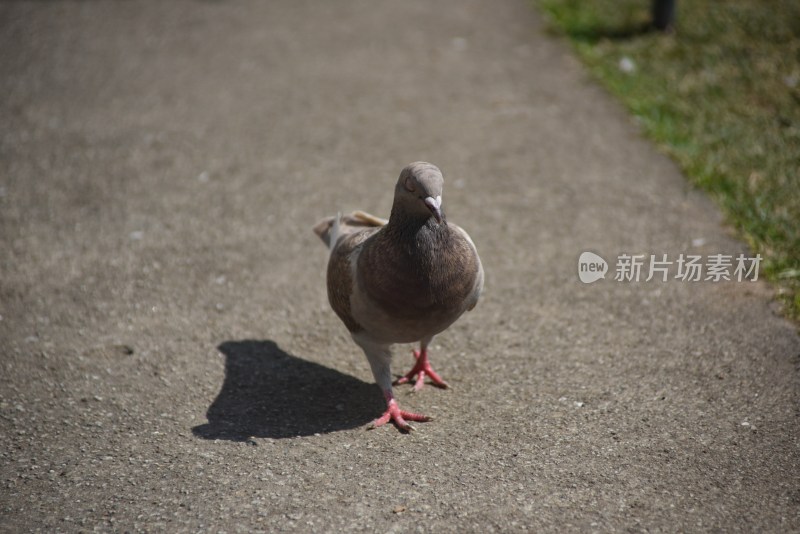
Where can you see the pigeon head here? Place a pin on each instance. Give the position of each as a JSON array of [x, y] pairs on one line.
[[419, 191]]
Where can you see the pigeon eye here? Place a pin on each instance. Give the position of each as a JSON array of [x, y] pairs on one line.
[[409, 185]]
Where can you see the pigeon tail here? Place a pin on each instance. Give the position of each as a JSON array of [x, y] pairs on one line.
[[330, 229], [335, 231]]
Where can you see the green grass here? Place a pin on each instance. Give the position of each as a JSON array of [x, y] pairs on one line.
[[721, 95]]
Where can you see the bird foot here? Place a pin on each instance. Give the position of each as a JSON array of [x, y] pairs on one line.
[[422, 369], [398, 416]]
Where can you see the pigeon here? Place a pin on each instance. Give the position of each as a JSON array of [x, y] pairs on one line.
[[404, 280]]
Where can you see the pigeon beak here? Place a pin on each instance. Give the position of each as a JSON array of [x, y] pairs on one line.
[[435, 205]]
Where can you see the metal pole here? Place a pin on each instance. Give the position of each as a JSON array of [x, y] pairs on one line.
[[664, 15]]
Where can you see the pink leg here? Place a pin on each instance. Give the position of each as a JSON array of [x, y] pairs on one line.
[[398, 416], [421, 369]]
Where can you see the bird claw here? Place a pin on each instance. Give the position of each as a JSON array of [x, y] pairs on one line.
[[398, 417], [422, 369]]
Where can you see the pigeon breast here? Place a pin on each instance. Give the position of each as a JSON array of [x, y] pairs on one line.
[[414, 283]]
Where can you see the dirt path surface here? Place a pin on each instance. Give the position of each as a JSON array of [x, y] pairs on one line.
[[169, 358]]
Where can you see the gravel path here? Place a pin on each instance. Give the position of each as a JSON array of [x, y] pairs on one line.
[[169, 359]]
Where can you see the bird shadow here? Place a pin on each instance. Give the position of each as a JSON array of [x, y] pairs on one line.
[[269, 393]]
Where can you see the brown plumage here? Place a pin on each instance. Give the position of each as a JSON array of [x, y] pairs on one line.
[[402, 280]]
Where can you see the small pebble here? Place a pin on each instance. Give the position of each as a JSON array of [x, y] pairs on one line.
[[627, 65]]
